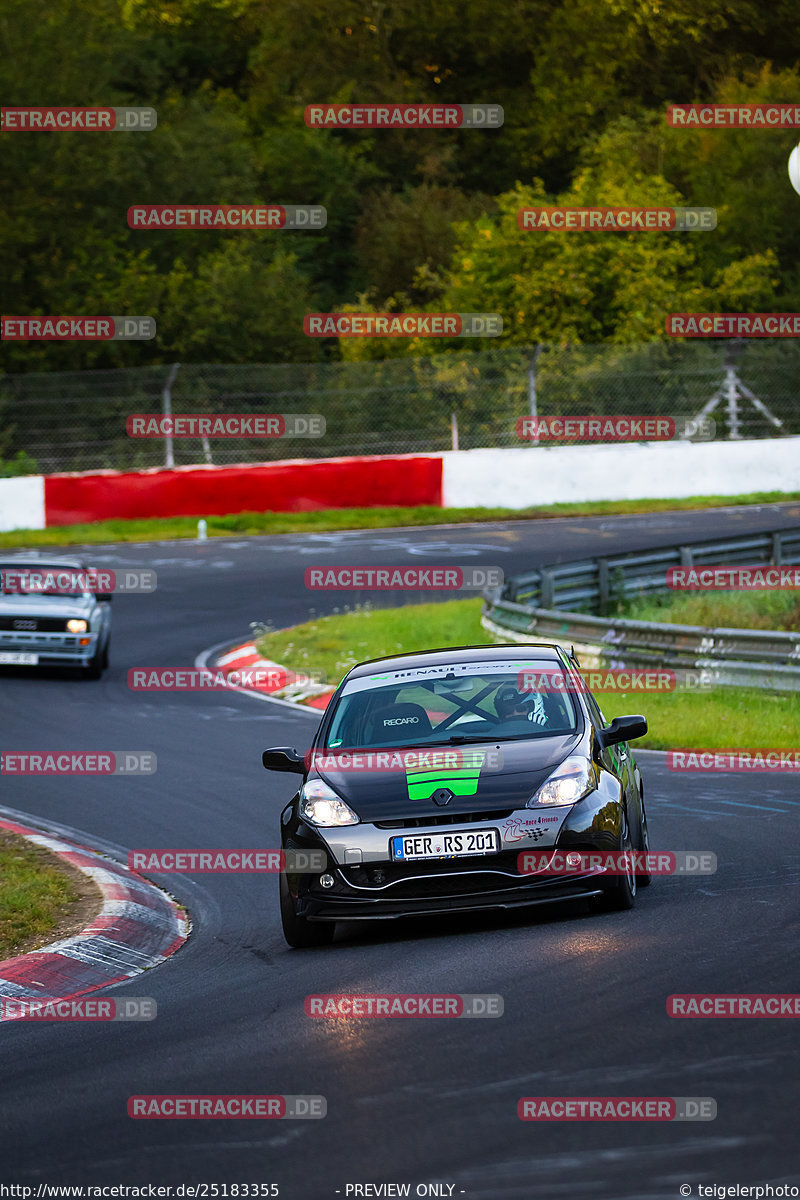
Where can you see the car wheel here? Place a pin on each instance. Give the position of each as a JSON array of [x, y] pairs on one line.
[[106, 653], [95, 667], [298, 931], [619, 892], [644, 878]]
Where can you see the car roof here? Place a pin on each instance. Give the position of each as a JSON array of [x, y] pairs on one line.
[[548, 651]]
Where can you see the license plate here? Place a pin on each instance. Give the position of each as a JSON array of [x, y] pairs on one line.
[[445, 845], [18, 659]]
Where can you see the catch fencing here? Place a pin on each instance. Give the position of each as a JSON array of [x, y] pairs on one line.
[[76, 420]]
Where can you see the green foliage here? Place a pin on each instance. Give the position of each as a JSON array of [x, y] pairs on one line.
[[416, 220], [20, 464]]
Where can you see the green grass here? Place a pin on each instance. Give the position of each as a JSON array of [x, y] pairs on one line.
[[33, 894], [726, 610], [245, 524], [718, 719], [334, 644]]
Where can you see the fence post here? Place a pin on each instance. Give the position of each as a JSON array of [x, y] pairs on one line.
[[454, 429], [602, 584], [546, 588], [166, 408], [532, 379], [532, 398]]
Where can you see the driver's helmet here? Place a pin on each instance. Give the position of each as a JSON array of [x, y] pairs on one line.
[[510, 701]]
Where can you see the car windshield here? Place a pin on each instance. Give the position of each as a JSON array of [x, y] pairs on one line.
[[430, 706], [34, 579]]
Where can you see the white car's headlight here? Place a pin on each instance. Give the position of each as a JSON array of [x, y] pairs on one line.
[[320, 805], [76, 626], [570, 781]]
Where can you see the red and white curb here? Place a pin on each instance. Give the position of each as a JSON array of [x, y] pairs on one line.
[[138, 927], [276, 680]]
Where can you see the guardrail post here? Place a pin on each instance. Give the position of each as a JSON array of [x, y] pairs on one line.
[[602, 585], [546, 588], [687, 556], [777, 549]]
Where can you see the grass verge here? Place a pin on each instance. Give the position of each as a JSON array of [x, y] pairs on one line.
[[723, 610], [40, 898], [719, 719], [247, 524]]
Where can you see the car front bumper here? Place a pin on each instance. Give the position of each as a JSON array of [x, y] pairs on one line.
[[51, 649], [378, 887]]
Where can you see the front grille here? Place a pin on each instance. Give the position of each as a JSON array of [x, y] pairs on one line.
[[445, 819], [34, 624], [430, 871]]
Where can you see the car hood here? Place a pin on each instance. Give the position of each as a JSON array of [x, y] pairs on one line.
[[16, 605], [479, 785]]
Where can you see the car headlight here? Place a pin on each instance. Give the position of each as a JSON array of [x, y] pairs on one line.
[[570, 781], [320, 805], [76, 626]]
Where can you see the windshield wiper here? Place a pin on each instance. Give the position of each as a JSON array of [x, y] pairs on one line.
[[466, 737]]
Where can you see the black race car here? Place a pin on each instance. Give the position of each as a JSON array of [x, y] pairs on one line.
[[446, 781]]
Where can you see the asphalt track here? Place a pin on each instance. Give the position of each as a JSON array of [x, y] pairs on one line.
[[408, 1100]]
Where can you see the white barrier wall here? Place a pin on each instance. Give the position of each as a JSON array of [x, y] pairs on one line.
[[517, 478], [22, 503]]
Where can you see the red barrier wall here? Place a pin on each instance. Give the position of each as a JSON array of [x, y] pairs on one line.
[[295, 485]]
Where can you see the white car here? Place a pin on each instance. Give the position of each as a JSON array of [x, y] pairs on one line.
[[49, 617]]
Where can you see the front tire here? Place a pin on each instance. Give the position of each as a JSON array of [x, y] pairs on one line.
[[619, 892], [644, 878], [299, 932], [96, 666]]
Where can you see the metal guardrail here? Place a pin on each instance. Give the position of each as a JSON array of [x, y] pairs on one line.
[[537, 604]]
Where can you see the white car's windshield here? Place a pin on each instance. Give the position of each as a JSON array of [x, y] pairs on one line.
[[28, 579]]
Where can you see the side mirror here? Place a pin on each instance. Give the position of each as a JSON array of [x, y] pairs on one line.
[[284, 758], [623, 729]]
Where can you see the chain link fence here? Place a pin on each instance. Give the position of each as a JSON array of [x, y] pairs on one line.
[[76, 420]]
